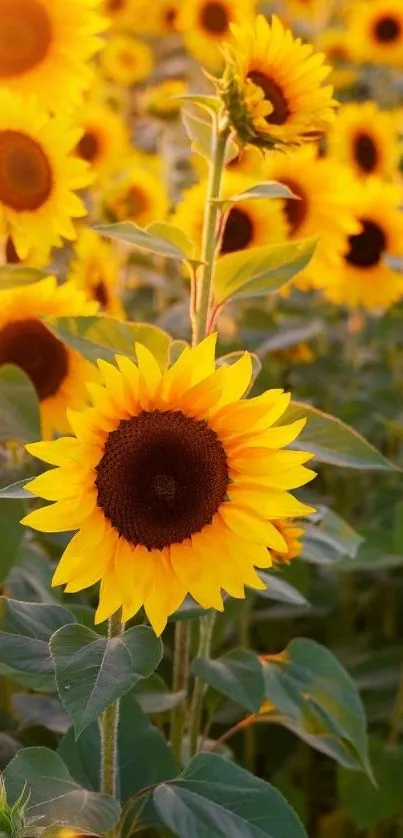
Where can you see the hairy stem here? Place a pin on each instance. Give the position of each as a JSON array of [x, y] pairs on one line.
[[206, 635], [109, 722]]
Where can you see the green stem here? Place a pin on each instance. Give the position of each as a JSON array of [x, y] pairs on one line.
[[109, 722], [220, 136], [180, 682], [397, 715], [206, 629]]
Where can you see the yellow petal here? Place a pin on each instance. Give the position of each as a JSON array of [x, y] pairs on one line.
[[131, 378], [61, 516], [229, 576], [110, 599], [273, 438], [203, 358], [236, 379], [56, 484], [113, 381], [150, 374], [202, 585], [59, 452], [245, 523]]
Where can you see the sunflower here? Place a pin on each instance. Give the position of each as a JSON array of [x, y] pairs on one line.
[[172, 481], [105, 141], [45, 47], [119, 13], [206, 24], [95, 270], [363, 275], [137, 196], [313, 11], [56, 371], [272, 86], [366, 138], [37, 175], [326, 193], [36, 257], [161, 100], [335, 43], [249, 223], [292, 532], [126, 60], [376, 30], [162, 23]]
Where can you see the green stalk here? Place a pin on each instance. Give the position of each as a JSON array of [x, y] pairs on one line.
[[206, 628], [200, 309], [109, 722]]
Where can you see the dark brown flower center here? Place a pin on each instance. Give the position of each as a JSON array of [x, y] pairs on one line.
[[115, 5], [25, 36], [31, 346], [296, 210], [100, 293], [89, 147], [162, 478], [273, 94], [25, 174], [387, 29], [367, 247], [365, 153], [238, 232], [214, 18], [170, 16], [12, 257]]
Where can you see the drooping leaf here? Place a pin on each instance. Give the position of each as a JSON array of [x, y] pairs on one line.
[[259, 271], [280, 590], [154, 696], [367, 805], [11, 533], [31, 575], [104, 337], [25, 631], [334, 442], [262, 191], [310, 693], [12, 276], [237, 674], [213, 798], [329, 538], [92, 671], [160, 244], [199, 129], [208, 103], [55, 795], [19, 406], [173, 234], [42, 710]]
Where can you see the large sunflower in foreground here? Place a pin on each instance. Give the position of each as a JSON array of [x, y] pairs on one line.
[[272, 86], [105, 141], [250, 223], [45, 47], [327, 196], [95, 270], [206, 24], [376, 30], [37, 175], [173, 481], [363, 276], [138, 195], [365, 137], [56, 371]]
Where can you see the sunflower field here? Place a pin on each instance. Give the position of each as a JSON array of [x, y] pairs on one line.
[[201, 418]]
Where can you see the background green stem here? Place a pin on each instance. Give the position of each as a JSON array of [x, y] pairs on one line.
[[109, 722], [180, 682], [206, 627]]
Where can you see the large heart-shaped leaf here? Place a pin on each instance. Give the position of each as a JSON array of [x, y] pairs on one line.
[[213, 798], [237, 674], [104, 337], [310, 692], [259, 271], [334, 442], [54, 794], [92, 671], [19, 406]]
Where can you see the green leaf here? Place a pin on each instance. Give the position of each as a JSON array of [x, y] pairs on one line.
[[55, 795], [262, 191], [174, 235], [16, 490], [12, 276], [207, 103], [154, 696], [329, 538], [144, 757], [286, 338], [334, 442], [199, 130], [40, 710], [19, 406], [367, 805], [213, 798], [11, 533], [160, 244], [25, 630], [310, 693], [280, 590], [92, 671], [104, 337], [237, 674], [259, 271]]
